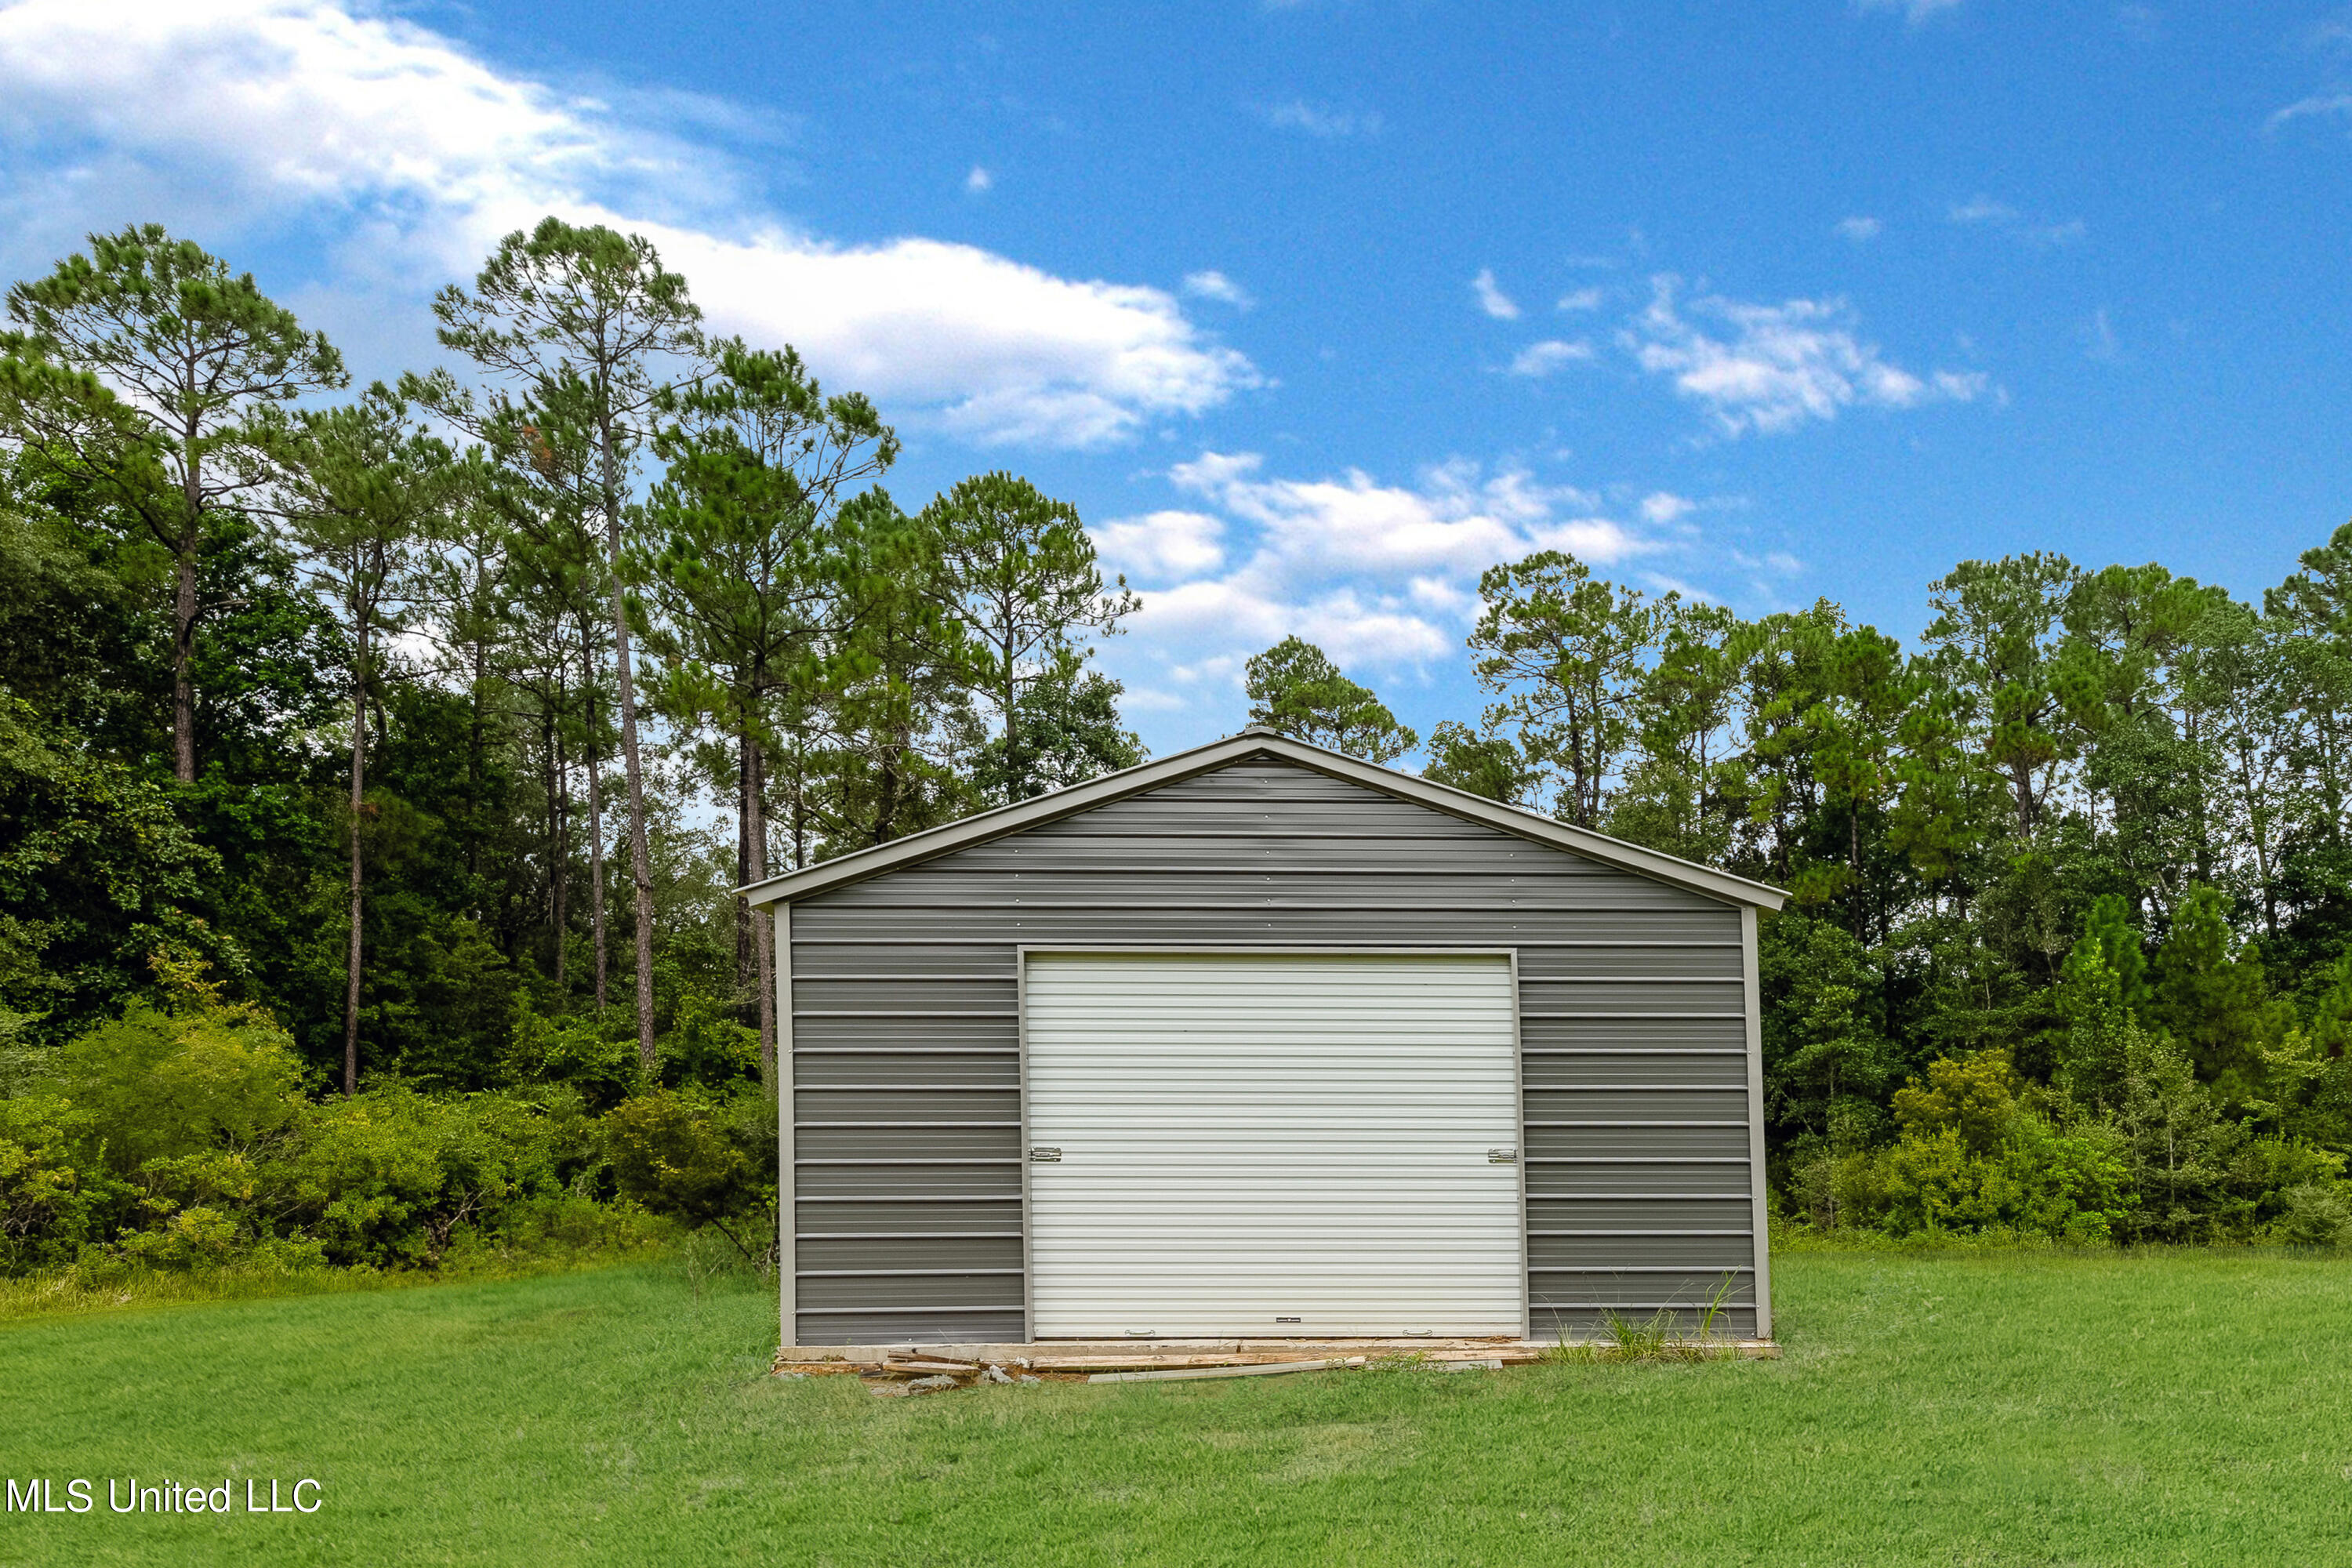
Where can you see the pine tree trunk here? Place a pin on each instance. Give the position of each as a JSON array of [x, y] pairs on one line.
[[640, 860], [1016, 774], [358, 797], [561, 870], [474, 768], [746, 963], [184, 609], [596, 852], [886, 802], [763, 950], [184, 655]]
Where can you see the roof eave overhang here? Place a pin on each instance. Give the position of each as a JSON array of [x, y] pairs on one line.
[[916, 847]]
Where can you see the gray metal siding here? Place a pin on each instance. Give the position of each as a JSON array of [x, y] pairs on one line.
[[905, 1037]]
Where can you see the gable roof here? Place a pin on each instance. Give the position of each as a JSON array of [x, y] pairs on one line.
[[916, 848]]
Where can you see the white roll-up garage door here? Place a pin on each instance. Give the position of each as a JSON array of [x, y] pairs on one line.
[[1271, 1145]]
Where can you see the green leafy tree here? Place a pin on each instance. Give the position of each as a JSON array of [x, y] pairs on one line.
[[1566, 653], [97, 874], [1827, 1056], [589, 322], [366, 493], [1070, 731], [1023, 580], [138, 369], [1295, 687], [2312, 610], [896, 718], [2236, 691], [1856, 721], [2149, 756], [2213, 999], [673, 1154], [1998, 623], [748, 571], [1674, 797], [1487, 765]]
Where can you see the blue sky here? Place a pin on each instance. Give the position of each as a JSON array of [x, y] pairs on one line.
[[1315, 308]]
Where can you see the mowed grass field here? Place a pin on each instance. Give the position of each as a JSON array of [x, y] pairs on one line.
[[1956, 1408]]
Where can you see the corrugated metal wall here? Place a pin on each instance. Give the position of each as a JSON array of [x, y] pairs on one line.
[[906, 1043]]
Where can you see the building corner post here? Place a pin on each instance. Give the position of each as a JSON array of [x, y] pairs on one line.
[[1752, 991], [787, 1186]]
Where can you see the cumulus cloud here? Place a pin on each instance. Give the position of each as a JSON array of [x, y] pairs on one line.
[[1163, 545], [1540, 360], [1381, 575], [1581, 299], [1491, 298], [1665, 507], [1216, 285], [1859, 229], [980, 182], [410, 156], [1774, 367]]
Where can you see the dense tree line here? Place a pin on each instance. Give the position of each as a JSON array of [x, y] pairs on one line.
[[376, 771], [2069, 947], [363, 750]]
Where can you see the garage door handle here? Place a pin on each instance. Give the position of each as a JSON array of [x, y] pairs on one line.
[[1041, 1156], [1502, 1156]]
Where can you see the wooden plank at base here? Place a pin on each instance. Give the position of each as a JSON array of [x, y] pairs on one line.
[[1263, 1369]]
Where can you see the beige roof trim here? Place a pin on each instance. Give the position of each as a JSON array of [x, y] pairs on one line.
[[1006, 819]]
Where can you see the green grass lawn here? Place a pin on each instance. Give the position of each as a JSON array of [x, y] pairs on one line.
[[1990, 1408]]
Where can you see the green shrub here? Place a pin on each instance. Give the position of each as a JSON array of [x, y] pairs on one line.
[[2314, 1214], [685, 1157], [592, 1054], [2037, 1181], [705, 1046], [388, 1177], [50, 1201], [160, 1086]]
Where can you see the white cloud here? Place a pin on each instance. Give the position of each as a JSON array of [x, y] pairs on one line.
[[2320, 106], [1540, 360], [1382, 575], [1004, 350], [410, 156], [1162, 544], [1985, 210], [1914, 11], [980, 182], [1663, 507], [1237, 613], [1324, 123], [1215, 285], [1776, 366], [1859, 229], [2099, 337], [1491, 298], [1581, 299]]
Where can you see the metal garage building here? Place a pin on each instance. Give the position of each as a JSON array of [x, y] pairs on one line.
[[1262, 1041]]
